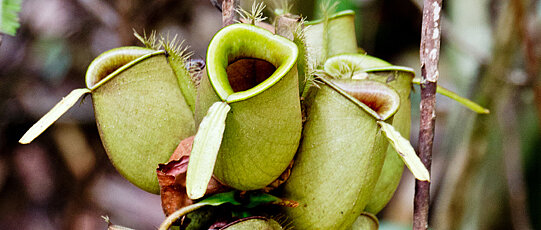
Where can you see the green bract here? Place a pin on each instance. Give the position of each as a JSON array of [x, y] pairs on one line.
[[341, 153], [140, 111], [254, 72]]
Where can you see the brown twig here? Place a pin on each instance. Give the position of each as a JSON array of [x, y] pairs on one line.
[[429, 52], [229, 15], [463, 45]]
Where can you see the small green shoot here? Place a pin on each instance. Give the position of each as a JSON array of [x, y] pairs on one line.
[[464, 101]]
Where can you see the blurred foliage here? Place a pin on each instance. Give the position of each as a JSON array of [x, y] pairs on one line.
[[64, 181], [9, 19]]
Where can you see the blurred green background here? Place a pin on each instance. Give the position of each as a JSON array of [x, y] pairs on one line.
[[484, 171]]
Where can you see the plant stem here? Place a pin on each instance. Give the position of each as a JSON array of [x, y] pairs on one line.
[[229, 15], [178, 214], [459, 43], [429, 53]]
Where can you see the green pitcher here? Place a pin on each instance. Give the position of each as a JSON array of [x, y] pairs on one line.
[[330, 36], [341, 153], [141, 112], [253, 72], [361, 66]]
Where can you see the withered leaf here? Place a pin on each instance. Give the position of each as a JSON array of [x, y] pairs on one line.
[[172, 179]]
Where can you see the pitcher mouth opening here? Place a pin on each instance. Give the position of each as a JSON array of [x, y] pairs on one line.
[[246, 73], [374, 97], [106, 65], [236, 49]]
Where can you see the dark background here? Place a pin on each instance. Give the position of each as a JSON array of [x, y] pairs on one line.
[[485, 173]]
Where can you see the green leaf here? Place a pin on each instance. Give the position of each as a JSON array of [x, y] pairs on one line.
[[464, 101], [53, 115], [406, 152], [256, 199], [221, 198], [9, 19], [249, 199], [206, 144], [253, 199]]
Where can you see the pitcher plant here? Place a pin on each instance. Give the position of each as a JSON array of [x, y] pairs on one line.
[[141, 112], [253, 73]]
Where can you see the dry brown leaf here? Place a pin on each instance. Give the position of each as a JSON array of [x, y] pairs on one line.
[[172, 179]]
